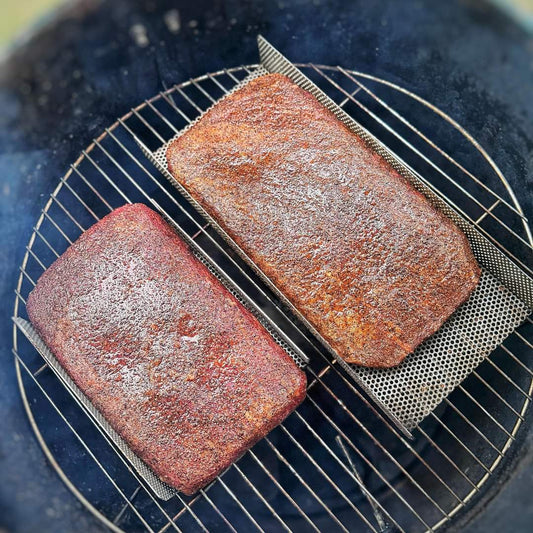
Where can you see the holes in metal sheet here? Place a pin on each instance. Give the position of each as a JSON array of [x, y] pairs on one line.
[[418, 385]]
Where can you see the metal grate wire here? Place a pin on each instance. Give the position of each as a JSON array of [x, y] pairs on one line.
[[337, 463]]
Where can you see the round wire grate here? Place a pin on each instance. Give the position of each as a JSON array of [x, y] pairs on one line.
[[336, 463]]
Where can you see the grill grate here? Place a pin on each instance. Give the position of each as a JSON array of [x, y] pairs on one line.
[[336, 464]]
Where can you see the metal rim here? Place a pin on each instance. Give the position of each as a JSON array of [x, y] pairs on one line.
[[393, 86]]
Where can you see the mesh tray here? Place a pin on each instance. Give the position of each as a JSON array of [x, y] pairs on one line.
[[500, 303], [160, 489]]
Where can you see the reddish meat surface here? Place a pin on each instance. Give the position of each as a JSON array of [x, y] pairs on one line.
[[365, 258], [180, 369]]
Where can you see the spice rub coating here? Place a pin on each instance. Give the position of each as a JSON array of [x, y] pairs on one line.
[[180, 369], [368, 260]]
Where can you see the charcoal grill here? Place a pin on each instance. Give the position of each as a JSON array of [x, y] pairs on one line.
[[337, 463]]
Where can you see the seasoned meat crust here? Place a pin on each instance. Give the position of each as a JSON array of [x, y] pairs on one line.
[[366, 259], [182, 371]]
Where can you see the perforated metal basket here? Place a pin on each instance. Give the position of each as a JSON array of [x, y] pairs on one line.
[[501, 302], [161, 489]]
